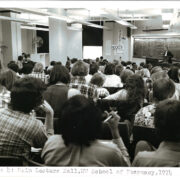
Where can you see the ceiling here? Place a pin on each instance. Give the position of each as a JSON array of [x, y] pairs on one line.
[[126, 17]]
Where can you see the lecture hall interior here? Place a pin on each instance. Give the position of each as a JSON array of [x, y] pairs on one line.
[[90, 84]]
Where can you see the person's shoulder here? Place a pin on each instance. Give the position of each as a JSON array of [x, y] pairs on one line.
[[106, 145]]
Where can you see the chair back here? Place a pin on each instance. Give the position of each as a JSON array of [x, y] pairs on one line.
[[11, 161], [123, 130], [147, 134]]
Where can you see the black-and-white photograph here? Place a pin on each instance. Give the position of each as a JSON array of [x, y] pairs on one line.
[[90, 85]]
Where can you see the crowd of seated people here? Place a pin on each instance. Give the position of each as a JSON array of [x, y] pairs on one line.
[[62, 110]]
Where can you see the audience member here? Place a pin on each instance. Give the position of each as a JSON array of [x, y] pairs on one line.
[[78, 81], [78, 145], [166, 120], [19, 128], [112, 80], [58, 92], [98, 80], [38, 72], [162, 89], [7, 79]]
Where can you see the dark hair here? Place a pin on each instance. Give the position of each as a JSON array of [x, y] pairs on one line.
[[59, 73], [13, 66], [163, 89], [109, 69], [52, 63], [123, 63], [93, 68], [81, 121], [135, 87], [20, 58], [79, 69], [7, 78], [26, 94], [166, 120], [173, 74], [97, 79], [27, 68]]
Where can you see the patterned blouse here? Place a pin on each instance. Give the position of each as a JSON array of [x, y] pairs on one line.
[[145, 116]]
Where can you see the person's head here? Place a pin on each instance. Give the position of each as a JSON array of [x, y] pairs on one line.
[[166, 48], [7, 78], [38, 67], [166, 120], [135, 87], [142, 64], [79, 69], [74, 60], [20, 58], [93, 68], [159, 75], [109, 69], [134, 66], [26, 94], [125, 74], [98, 79], [118, 69], [52, 63], [81, 121], [27, 68], [59, 73], [123, 63], [163, 89], [156, 69], [13, 66], [174, 74], [145, 73]]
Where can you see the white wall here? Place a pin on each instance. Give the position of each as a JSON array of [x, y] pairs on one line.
[[111, 37], [74, 45]]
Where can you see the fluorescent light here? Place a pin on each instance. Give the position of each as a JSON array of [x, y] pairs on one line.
[[124, 23], [33, 28]]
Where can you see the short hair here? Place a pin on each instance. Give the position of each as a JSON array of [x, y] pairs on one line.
[[109, 69], [13, 66], [52, 63], [59, 73], [145, 72], [125, 74], [38, 67], [97, 79], [79, 69], [27, 68], [159, 75], [20, 58], [174, 74], [166, 120], [163, 89], [80, 121], [93, 68], [26, 94], [123, 63], [7, 78], [118, 69], [156, 69]]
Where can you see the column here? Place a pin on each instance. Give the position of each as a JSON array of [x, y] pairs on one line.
[[11, 36], [58, 40]]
